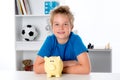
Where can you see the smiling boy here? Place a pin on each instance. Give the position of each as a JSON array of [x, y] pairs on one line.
[[64, 43]]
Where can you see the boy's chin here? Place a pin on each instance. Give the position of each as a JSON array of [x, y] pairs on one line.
[[62, 37]]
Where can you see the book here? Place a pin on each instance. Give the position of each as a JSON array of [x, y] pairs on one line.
[[16, 9], [19, 7], [23, 7], [27, 6]]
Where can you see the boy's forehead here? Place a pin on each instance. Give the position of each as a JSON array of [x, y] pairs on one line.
[[60, 17], [58, 14]]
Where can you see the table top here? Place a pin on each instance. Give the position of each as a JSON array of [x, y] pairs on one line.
[[26, 75]]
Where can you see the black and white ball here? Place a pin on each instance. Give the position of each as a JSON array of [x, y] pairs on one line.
[[29, 33]]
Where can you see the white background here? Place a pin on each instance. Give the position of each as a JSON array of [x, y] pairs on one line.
[[7, 35], [97, 21]]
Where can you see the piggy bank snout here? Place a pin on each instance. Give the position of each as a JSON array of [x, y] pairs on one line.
[[52, 67]]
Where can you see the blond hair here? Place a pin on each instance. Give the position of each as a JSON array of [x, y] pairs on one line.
[[65, 10]]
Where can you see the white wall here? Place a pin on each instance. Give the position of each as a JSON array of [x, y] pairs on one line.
[[98, 22], [7, 40]]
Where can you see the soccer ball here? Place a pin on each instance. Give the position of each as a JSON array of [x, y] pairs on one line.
[[29, 33]]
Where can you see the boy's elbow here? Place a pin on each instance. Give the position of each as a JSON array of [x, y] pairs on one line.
[[35, 70], [87, 71], [38, 69]]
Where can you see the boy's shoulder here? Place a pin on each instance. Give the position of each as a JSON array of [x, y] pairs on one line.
[[74, 36], [51, 37]]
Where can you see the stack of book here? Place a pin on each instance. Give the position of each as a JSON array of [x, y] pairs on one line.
[[22, 7]]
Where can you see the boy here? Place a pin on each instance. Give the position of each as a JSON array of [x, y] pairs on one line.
[[64, 43]]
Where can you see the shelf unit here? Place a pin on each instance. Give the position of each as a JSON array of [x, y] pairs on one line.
[[28, 49], [101, 60]]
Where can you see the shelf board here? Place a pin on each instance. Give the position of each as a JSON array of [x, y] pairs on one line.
[[99, 49], [35, 45], [32, 15], [28, 46]]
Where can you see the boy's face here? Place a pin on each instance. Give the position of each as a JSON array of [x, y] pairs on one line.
[[61, 26]]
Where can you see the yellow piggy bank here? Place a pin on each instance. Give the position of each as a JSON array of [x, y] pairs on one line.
[[53, 66]]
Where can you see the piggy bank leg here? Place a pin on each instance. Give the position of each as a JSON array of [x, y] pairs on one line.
[[57, 75], [49, 75]]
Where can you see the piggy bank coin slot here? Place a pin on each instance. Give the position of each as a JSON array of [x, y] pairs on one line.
[[51, 60]]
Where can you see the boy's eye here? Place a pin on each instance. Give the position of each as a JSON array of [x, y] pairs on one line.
[[56, 24], [65, 24]]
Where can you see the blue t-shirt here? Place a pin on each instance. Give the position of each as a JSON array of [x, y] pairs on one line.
[[68, 51]]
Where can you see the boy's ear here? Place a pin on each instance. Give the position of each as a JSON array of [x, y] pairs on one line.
[[72, 27]]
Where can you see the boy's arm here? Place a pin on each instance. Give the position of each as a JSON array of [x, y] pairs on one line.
[[39, 65], [69, 63], [80, 67]]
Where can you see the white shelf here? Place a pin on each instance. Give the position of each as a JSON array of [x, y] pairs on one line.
[[28, 46], [32, 15], [99, 49], [37, 18]]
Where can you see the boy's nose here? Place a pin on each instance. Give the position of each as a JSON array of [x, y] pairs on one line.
[[61, 27]]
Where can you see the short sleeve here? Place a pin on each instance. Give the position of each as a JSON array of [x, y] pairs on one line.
[[46, 47], [79, 46]]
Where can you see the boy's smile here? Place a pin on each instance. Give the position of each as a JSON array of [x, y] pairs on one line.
[[61, 27], [61, 32]]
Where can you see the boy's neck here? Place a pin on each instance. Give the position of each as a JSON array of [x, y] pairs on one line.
[[62, 41]]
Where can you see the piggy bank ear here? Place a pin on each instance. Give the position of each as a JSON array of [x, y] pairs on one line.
[[58, 58], [45, 58]]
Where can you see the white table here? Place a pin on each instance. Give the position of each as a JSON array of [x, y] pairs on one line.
[[22, 75]]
